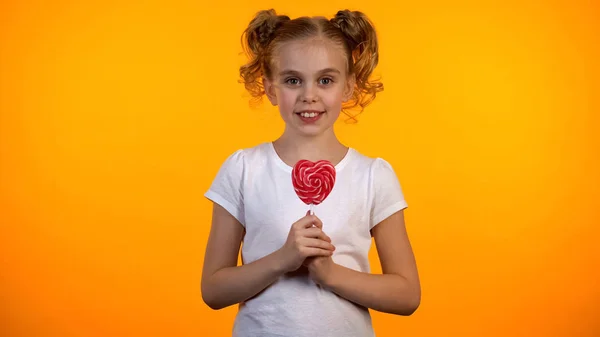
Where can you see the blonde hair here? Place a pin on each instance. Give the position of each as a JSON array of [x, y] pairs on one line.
[[352, 30]]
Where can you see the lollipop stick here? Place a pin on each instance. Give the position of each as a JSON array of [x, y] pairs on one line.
[[312, 209]]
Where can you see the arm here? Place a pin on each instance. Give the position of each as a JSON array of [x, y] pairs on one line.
[[396, 291], [223, 282]]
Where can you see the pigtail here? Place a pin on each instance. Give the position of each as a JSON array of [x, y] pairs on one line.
[[361, 38], [255, 42]]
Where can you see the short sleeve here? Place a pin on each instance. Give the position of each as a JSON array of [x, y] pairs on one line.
[[227, 187], [387, 196]]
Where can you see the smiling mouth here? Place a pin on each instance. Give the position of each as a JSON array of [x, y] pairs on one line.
[[310, 116], [309, 113]]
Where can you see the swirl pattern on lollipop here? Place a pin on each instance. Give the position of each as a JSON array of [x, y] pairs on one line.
[[313, 181]]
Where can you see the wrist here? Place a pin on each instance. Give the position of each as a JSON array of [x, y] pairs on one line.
[[329, 279], [278, 263], [327, 275]]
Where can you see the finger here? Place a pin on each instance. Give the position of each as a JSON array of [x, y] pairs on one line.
[[318, 252], [308, 221], [307, 261], [314, 232], [317, 222], [316, 243], [313, 220]]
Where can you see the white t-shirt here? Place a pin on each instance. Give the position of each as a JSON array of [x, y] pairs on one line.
[[255, 186]]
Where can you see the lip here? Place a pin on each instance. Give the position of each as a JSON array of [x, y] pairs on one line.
[[309, 111], [310, 120]]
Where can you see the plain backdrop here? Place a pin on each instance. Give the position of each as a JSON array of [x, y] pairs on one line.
[[116, 115]]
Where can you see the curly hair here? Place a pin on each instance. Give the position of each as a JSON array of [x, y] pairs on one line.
[[352, 30]]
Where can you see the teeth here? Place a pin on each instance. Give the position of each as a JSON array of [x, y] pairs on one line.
[[308, 114]]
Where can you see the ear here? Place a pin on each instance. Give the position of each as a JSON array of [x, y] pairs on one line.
[[270, 91], [349, 88]]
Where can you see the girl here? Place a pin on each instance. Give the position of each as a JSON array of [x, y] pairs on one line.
[[308, 275]]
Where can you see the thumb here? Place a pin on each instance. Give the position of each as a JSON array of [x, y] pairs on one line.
[[307, 261], [307, 214]]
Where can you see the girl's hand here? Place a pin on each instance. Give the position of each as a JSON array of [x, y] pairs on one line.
[[319, 268], [305, 240]]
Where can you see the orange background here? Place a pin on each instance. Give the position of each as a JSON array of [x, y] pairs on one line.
[[115, 116]]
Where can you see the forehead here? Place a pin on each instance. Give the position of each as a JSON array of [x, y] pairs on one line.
[[309, 56]]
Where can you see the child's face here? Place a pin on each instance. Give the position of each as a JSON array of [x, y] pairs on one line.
[[309, 84]]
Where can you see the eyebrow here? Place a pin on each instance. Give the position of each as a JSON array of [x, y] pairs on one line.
[[322, 71]]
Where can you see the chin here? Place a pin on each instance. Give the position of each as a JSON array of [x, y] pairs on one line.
[[310, 133], [311, 129]]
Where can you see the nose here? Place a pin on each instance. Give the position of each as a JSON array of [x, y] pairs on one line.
[[310, 95]]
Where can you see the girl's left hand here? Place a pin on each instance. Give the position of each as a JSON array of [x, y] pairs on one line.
[[319, 268]]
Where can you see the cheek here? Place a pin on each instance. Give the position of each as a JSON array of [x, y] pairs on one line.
[[334, 98], [287, 98]]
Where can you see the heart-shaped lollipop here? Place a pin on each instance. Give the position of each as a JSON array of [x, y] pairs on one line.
[[313, 181]]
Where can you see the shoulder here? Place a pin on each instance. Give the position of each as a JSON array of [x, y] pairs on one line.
[[376, 166], [228, 187], [381, 175], [385, 193]]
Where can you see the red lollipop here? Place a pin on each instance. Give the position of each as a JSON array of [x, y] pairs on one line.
[[313, 181]]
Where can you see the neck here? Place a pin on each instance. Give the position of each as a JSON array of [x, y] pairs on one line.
[[292, 147]]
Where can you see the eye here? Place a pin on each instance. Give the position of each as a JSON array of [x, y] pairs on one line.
[[292, 81], [325, 81]]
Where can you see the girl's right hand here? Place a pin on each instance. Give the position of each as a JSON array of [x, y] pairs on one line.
[[305, 240]]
